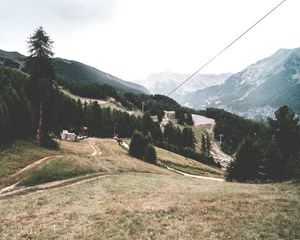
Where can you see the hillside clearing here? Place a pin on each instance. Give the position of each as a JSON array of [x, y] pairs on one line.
[[111, 103]]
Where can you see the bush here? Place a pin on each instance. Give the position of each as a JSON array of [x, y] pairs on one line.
[[150, 154], [189, 152], [137, 145]]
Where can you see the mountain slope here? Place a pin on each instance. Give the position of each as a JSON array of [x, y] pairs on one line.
[[269, 83], [83, 73], [164, 82], [75, 71]]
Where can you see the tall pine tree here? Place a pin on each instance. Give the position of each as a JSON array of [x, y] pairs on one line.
[[39, 64]]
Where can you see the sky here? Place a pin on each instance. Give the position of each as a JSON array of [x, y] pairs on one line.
[[132, 39]]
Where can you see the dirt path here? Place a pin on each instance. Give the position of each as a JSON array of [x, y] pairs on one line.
[[195, 176], [40, 162], [45, 186], [35, 164], [97, 151]]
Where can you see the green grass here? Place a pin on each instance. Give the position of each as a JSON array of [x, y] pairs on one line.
[[57, 169], [19, 154]]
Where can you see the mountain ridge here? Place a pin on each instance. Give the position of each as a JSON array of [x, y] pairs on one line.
[[270, 82], [74, 70]]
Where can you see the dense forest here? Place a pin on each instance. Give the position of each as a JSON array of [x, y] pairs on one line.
[[154, 104]]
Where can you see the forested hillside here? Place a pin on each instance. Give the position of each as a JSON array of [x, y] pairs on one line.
[[74, 71]]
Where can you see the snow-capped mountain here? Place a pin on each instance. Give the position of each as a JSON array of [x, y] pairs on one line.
[[163, 83], [265, 85]]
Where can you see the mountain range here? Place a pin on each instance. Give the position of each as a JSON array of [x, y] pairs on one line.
[[164, 82], [75, 71], [258, 89]]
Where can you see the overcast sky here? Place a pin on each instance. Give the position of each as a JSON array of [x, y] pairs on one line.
[[134, 38]]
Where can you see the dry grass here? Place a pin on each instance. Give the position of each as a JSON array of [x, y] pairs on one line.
[[187, 165], [143, 201], [115, 159], [111, 159], [154, 206]]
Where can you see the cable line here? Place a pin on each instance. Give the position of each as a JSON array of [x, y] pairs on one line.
[[228, 46]]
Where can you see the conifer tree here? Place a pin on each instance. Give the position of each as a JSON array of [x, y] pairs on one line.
[[137, 145], [39, 64], [150, 154]]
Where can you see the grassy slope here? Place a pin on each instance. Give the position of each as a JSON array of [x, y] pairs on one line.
[[142, 201], [154, 206], [75, 161], [17, 155]]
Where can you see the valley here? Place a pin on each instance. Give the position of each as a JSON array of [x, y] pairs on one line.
[[87, 155]]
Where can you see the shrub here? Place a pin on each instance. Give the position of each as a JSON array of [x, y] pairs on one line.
[[137, 145], [150, 154]]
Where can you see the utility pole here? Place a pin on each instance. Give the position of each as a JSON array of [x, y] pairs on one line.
[[221, 136], [143, 106]]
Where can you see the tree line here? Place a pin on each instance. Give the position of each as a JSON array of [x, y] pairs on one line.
[[271, 156]]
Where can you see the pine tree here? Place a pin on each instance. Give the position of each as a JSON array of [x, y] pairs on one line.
[[273, 163], [208, 144], [188, 138], [41, 69], [203, 144], [286, 129], [150, 154], [246, 165], [137, 145]]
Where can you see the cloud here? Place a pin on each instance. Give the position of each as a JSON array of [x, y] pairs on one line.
[[55, 11]]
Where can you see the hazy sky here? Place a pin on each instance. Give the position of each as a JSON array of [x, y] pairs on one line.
[[134, 38]]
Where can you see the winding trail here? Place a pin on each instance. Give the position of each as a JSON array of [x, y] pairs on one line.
[[36, 164], [195, 176], [14, 187], [55, 184]]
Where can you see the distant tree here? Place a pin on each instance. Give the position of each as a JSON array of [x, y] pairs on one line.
[[157, 133], [189, 152], [148, 138], [95, 119], [41, 69], [137, 145], [206, 144], [203, 144], [147, 123], [150, 154], [188, 138]]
